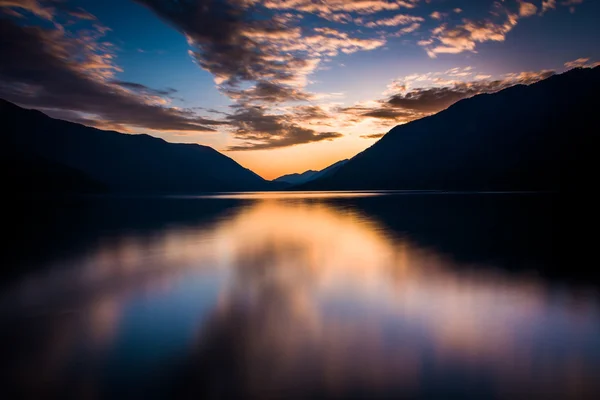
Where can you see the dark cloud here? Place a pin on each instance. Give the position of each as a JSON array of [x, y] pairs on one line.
[[138, 87], [241, 41], [260, 130], [227, 41], [427, 100], [373, 136], [387, 114], [309, 113], [382, 113], [48, 68], [267, 92]]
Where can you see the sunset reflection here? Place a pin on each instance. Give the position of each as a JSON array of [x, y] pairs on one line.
[[303, 296]]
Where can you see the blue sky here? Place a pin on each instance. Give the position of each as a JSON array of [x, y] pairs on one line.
[[280, 86]]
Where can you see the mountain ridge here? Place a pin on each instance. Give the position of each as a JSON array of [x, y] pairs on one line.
[[534, 137], [120, 162], [309, 175]]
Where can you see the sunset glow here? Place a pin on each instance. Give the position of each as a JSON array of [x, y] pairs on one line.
[[280, 86]]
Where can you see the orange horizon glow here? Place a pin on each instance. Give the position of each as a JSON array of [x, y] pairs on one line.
[[273, 163]]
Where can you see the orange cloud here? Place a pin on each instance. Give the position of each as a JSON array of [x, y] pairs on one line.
[[581, 63], [466, 36], [437, 15], [527, 9], [333, 6], [400, 19]]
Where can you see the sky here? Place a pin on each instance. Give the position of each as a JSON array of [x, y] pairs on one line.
[[280, 86]]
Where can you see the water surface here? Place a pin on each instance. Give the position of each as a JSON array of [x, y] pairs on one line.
[[302, 295]]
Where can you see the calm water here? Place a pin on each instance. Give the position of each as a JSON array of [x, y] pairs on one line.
[[296, 295]]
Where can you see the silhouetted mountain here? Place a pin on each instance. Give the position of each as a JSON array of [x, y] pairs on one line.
[[43, 154], [310, 175], [536, 137], [25, 173], [295, 179]]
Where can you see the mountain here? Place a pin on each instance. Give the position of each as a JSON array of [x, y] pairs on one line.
[[310, 175], [296, 179], [27, 173], [536, 137], [39, 153]]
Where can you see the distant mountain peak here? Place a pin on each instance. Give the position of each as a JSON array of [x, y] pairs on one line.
[[307, 176]]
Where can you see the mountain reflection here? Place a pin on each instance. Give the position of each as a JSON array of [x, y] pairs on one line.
[[294, 297]]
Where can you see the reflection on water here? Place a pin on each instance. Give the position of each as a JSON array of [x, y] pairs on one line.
[[298, 296], [290, 195]]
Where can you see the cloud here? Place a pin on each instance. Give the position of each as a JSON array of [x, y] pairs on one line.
[[437, 15], [324, 8], [551, 5], [260, 130], [466, 36], [82, 14], [73, 74], [373, 136], [260, 57], [74, 71], [581, 63], [255, 61], [399, 19], [571, 4], [427, 100], [79, 118], [409, 29], [236, 44], [45, 9], [310, 113], [330, 43], [268, 92], [527, 9], [408, 101], [434, 99], [548, 5], [32, 6], [138, 87], [231, 45], [380, 113]]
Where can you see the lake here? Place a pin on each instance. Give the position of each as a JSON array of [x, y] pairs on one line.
[[297, 295]]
